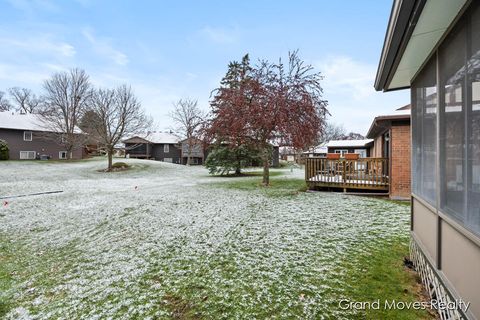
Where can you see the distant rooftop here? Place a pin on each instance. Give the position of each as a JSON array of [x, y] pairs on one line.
[[348, 143], [21, 121], [157, 137]]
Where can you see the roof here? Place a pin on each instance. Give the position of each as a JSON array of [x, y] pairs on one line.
[[348, 143], [414, 29], [22, 121], [157, 138], [318, 149], [382, 121]]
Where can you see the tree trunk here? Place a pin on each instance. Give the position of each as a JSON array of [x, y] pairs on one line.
[[238, 169], [110, 159], [189, 146], [266, 168]]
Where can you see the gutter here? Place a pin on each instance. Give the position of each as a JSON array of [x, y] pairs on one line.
[[403, 19]]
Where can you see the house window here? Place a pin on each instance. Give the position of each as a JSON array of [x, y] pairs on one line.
[[166, 148], [27, 155], [62, 155], [342, 152], [362, 153], [27, 136]]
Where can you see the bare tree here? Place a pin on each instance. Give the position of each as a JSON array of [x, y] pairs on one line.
[[66, 99], [188, 119], [25, 100], [338, 132], [4, 103], [118, 114], [332, 132]]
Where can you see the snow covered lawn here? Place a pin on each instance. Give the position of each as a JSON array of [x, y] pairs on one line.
[[164, 240]]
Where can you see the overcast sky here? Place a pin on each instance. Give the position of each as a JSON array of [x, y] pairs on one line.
[[172, 49]]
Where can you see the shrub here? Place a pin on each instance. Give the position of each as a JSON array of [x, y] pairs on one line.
[[222, 159], [3, 150], [120, 165]]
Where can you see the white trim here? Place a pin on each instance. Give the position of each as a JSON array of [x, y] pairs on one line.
[[31, 136], [166, 148], [60, 155], [28, 155]]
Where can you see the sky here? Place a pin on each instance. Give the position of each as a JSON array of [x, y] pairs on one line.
[[168, 50]]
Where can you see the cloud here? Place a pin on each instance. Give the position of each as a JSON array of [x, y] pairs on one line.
[[221, 35], [353, 101], [345, 75], [17, 75], [102, 46], [38, 44], [27, 60]]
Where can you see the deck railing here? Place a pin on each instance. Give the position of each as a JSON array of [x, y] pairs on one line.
[[364, 173]]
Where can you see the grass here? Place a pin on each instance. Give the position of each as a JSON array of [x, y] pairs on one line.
[[279, 186], [375, 273], [379, 273], [266, 252]]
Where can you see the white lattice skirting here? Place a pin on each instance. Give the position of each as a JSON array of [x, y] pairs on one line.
[[435, 288]]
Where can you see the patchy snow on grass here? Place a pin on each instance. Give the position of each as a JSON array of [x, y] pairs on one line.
[[161, 240]]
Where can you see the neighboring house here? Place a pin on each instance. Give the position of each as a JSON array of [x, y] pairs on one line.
[[391, 140], [318, 151], [28, 139], [433, 48], [197, 155], [160, 146], [289, 154], [362, 147]]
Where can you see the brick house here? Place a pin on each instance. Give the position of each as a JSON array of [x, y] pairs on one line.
[[28, 139], [392, 140]]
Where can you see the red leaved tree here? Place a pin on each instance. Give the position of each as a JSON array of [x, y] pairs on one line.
[[269, 103]]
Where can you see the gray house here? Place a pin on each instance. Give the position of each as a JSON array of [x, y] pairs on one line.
[[160, 146], [197, 154], [432, 47], [28, 139]]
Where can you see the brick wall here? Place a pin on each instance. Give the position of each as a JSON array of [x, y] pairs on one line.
[[400, 162]]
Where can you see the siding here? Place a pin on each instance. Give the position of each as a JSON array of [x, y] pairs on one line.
[[40, 144], [175, 153]]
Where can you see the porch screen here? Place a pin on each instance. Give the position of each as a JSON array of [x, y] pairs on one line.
[[457, 140], [473, 121], [452, 122], [424, 127]]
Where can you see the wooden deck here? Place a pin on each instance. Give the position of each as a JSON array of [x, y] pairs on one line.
[[364, 173]]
